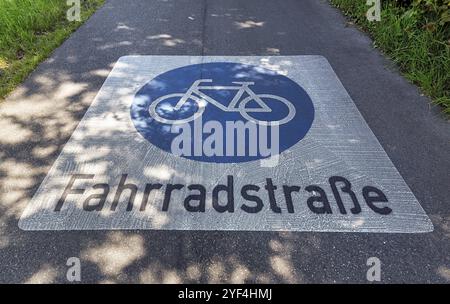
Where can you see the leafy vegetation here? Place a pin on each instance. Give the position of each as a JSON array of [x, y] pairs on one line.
[[416, 35], [29, 31]]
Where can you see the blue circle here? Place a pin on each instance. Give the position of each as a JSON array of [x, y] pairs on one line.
[[166, 90]]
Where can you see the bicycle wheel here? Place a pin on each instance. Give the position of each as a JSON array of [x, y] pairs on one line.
[[169, 110], [245, 113]]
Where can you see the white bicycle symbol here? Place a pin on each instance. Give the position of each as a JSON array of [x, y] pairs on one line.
[[201, 99]]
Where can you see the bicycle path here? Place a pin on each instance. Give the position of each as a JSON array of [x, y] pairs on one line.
[[40, 116]]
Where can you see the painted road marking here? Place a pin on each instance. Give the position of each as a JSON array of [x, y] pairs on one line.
[[119, 169]]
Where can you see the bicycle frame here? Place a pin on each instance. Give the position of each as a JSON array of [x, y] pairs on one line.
[[232, 107]]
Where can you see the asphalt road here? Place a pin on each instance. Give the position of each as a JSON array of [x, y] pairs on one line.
[[39, 117]]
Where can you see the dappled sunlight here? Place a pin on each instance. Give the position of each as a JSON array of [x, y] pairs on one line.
[[194, 272], [265, 63], [273, 51], [155, 275], [122, 26], [281, 259], [94, 158], [67, 90], [20, 180], [216, 272], [443, 222], [248, 24], [161, 172], [116, 253], [11, 133], [444, 272], [37, 120], [101, 72], [282, 266], [167, 40], [231, 266], [45, 275], [171, 277], [235, 270], [239, 273], [115, 45], [43, 152]]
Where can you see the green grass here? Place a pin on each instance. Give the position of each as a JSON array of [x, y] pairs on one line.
[[29, 31], [423, 55]]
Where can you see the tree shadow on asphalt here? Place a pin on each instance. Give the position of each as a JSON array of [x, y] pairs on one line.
[[39, 117]]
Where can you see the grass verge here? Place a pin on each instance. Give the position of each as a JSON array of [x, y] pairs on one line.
[[417, 43], [29, 31]]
